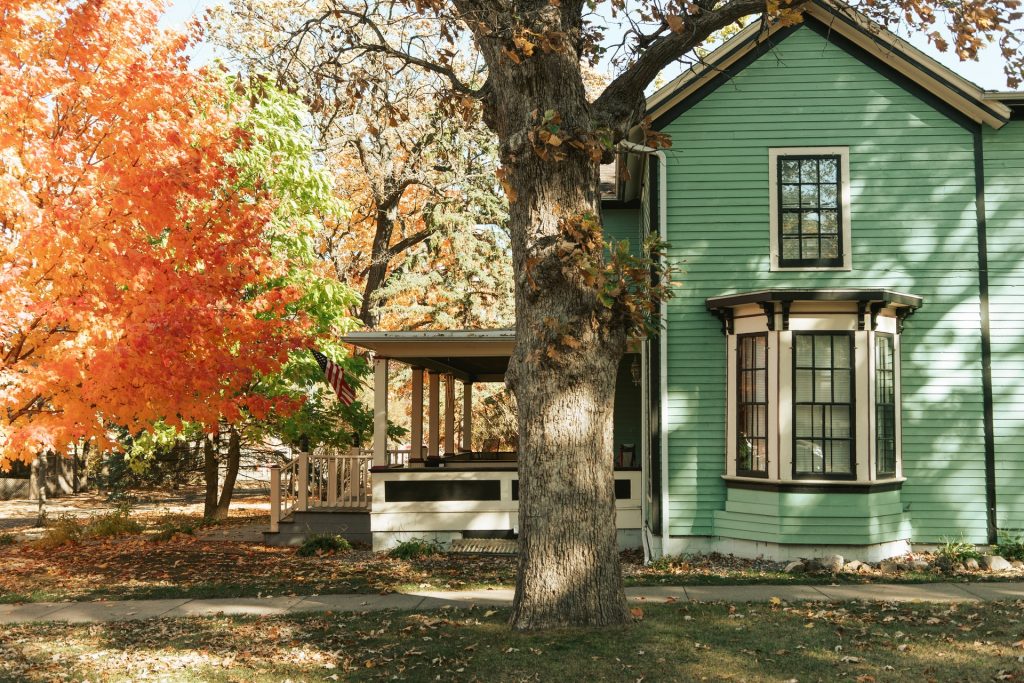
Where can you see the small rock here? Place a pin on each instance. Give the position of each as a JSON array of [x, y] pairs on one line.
[[795, 567], [1017, 564], [994, 563], [971, 564], [813, 565], [865, 568], [853, 566], [832, 563], [920, 565], [889, 566]]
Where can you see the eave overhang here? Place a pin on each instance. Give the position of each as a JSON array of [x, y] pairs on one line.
[[939, 81], [469, 355], [790, 295]]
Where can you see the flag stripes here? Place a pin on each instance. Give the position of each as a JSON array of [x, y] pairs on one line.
[[335, 376]]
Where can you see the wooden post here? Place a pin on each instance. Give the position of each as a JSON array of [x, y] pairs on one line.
[[332, 481], [416, 433], [449, 414], [380, 412], [434, 412], [303, 481], [467, 416], [275, 498]]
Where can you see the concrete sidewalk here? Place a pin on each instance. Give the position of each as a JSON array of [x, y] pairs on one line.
[[86, 612]]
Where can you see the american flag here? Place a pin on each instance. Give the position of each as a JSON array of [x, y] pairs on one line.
[[335, 377]]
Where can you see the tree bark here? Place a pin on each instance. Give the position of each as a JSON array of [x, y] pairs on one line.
[[380, 258], [568, 346], [231, 475], [211, 468]]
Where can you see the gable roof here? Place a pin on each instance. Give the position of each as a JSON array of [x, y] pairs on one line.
[[837, 20]]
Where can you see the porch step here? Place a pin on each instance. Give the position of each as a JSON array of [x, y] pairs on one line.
[[484, 546], [297, 527]]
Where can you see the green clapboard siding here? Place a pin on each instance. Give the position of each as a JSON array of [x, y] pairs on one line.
[[914, 230], [1004, 204], [623, 224]]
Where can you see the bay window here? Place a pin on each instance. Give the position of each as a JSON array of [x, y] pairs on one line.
[[813, 385]]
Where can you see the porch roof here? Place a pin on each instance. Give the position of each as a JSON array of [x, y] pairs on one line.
[[470, 355]]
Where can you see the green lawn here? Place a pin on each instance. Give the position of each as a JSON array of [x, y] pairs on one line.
[[807, 642]]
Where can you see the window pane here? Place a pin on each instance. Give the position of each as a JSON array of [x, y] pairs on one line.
[[809, 196], [829, 170], [790, 171], [809, 248], [790, 196], [804, 386], [790, 223], [839, 461], [809, 171], [804, 344], [830, 221], [791, 249], [809, 222], [829, 248], [829, 195]]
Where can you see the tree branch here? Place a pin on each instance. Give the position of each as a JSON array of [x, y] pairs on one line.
[[622, 101]]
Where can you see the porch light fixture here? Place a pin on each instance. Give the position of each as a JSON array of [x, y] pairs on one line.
[[634, 371]]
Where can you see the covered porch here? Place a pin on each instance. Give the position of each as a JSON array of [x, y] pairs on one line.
[[444, 483]]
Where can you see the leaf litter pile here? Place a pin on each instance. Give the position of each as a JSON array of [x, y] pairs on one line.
[[772, 641]]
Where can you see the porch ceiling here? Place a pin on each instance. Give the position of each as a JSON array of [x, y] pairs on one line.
[[470, 355]]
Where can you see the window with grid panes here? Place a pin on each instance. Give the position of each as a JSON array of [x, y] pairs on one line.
[[885, 406], [810, 211], [752, 405], [823, 414]]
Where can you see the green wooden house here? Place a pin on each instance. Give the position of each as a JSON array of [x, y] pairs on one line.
[[841, 364]]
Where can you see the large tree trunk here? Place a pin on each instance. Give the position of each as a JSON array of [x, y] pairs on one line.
[[231, 475], [380, 257], [567, 351]]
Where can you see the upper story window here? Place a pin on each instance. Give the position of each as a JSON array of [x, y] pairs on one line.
[[810, 217]]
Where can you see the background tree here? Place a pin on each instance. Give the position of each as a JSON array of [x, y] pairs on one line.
[[157, 242], [575, 306], [419, 181]]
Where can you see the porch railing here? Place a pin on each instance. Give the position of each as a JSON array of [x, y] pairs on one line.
[[324, 479]]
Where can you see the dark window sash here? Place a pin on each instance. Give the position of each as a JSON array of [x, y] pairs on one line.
[[885, 405], [751, 415], [781, 211], [827, 407]]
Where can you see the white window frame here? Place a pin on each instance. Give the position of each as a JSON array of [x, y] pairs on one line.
[[773, 203], [813, 316]]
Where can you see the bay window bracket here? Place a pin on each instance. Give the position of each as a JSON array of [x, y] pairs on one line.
[[862, 310], [901, 317], [785, 314], [769, 313], [726, 316], [876, 308]]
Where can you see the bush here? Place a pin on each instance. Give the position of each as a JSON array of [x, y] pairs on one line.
[[323, 544], [170, 525], [114, 523], [954, 552], [1010, 546], [64, 529], [415, 549], [8, 539]]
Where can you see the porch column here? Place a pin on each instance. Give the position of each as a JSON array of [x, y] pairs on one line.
[[449, 414], [434, 412], [416, 431], [380, 412], [467, 416]]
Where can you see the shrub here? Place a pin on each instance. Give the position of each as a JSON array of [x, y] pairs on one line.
[[170, 525], [323, 544], [1010, 546], [415, 548], [952, 551], [8, 539], [113, 523], [64, 529]]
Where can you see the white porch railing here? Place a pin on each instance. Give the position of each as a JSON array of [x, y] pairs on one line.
[[324, 479]]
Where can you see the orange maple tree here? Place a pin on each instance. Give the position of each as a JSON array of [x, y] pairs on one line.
[[134, 267]]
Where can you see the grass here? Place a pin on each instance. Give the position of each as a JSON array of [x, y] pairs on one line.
[[691, 642]]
